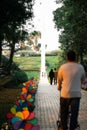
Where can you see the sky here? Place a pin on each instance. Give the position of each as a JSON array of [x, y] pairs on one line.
[[43, 22]]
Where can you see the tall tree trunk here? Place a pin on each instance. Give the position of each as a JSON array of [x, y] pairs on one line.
[[11, 57], [0, 53], [12, 50]]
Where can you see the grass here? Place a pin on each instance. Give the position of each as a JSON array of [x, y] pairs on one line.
[[51, 61], [34, 63], [28, 62], [31, 65], [33, 74]]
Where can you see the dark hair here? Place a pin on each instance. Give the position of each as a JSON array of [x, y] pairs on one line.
[[71, 56]]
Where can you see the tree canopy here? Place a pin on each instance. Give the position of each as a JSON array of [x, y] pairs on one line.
[[71, 20], [13, 14]]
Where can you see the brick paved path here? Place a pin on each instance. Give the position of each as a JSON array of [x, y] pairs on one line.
[[47, 106]]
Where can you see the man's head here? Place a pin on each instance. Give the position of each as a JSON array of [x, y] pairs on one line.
[[71, 56]]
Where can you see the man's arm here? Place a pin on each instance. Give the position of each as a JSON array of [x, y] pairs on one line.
[[59, 79], [59, 85]]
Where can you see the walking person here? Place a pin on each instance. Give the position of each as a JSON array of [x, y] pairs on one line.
[[55, 76], [51, 76], [70, 77]]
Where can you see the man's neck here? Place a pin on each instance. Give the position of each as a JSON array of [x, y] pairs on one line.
[[71, 61]]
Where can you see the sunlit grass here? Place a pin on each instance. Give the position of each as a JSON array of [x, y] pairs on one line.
[[26, 63]]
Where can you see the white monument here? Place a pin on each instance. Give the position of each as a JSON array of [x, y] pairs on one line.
[[42, 23], [43, 73]]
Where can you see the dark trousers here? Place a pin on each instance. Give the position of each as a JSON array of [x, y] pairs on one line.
[[55, 80], [51, 80], [71, 104]]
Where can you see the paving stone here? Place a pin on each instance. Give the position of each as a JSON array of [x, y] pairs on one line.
[[47, 107]]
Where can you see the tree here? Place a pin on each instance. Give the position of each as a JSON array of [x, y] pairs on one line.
[[13, 14], [33, 38], [71, 19]]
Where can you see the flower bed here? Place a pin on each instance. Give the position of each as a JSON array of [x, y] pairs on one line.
[[22, 115]]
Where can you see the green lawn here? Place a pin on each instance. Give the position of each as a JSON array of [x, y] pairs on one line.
[[28, 62], [33, 64], [51, 61]]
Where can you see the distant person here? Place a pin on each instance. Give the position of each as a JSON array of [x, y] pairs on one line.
[[51, 76], [70, 77], [55, 76], [42, 74]]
